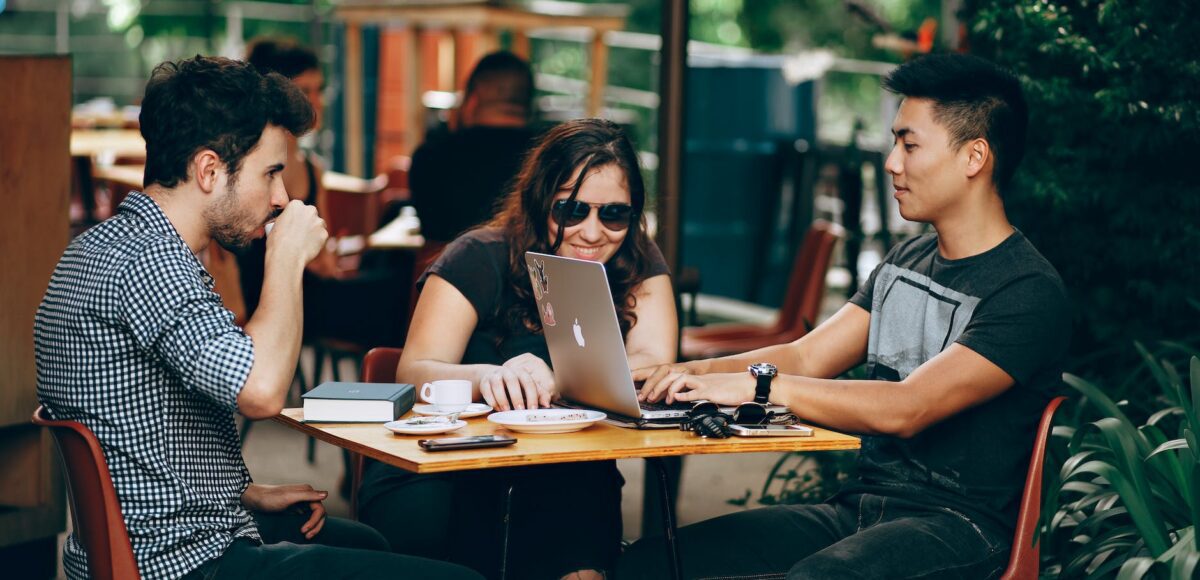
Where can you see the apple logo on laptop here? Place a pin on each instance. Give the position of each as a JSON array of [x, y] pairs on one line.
[[578, 333]]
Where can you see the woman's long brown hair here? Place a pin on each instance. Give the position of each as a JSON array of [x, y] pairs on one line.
[[590, 144]]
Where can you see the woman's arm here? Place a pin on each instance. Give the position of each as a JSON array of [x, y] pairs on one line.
[[652, 341], [441, 326], [437, 337]]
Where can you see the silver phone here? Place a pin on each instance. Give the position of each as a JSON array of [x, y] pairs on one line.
[[771, 430]]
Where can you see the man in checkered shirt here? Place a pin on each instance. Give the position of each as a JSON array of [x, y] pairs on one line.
[[132, 342]]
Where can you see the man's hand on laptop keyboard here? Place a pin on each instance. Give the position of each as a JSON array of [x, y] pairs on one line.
[[657, 380], [720, 388], [523, 382]]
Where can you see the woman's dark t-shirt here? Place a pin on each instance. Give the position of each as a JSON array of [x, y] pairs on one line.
[[477, 265]]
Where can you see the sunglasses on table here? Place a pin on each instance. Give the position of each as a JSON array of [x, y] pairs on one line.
[[748, 413], [572, 212]]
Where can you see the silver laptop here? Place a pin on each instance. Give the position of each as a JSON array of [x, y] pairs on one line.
[[587, 350]]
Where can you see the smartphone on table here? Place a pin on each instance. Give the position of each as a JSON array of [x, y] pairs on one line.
[[771, 430], [475, 442]]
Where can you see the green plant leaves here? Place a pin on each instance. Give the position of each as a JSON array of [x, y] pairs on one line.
[[1128, 495]]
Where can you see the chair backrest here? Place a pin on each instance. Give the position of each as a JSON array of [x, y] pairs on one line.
[[426, 256], [806, 284], [378, 366], [351, 204], [95, 511], [1024, 559]]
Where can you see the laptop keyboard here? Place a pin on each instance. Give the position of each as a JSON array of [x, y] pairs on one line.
[[663, 406]]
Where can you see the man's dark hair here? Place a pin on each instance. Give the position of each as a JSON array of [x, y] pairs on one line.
[[283, 56], [972, 98], [213, 103], [502, 79]]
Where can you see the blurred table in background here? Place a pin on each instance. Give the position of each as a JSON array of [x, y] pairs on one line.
[[112, 143]]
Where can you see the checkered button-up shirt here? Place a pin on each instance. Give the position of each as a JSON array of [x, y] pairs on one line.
[[132, 341]]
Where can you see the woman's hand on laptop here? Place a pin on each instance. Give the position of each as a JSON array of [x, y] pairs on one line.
[[522, 382]]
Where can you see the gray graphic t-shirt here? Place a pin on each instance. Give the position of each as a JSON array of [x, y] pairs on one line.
[[1008, 305]]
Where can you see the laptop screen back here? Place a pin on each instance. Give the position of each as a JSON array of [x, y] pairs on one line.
[[587, 350]]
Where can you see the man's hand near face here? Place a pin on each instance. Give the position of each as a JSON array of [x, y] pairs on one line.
[[299, 235]]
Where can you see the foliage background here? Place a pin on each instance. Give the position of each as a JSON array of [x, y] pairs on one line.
[[1108, 190]]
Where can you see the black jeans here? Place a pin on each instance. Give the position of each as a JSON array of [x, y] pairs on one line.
[[343, 549], [565, 517], [851, 536]]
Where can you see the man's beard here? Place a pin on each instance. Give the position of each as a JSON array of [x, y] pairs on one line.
[[226, 222]]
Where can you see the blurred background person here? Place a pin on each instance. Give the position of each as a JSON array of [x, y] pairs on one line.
[[456, 178]]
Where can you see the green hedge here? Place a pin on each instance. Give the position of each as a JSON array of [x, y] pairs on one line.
[[1109, 189]]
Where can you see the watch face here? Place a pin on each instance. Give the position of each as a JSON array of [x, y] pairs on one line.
[[763, 369]]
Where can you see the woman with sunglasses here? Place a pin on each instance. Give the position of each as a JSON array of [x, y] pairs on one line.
[[579, 194]]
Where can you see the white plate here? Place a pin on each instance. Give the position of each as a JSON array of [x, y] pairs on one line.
[[402, 428], [547, 420], [472, 410]]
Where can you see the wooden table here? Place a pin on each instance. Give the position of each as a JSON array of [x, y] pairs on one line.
[[397, 235], [114, 142], [598, 442]]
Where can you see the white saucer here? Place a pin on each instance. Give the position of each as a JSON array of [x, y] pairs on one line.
[[547, 420], [400, 427], [472, 410]]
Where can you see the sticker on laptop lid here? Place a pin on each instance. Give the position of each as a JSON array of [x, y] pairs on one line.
[[540, 276], [548, 315], [533, 283]]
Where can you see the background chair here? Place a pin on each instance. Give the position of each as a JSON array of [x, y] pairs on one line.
[[95, 511], [378, 366], [1024, 559], [801, 304]]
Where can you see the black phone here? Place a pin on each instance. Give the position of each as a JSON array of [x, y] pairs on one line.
[[475, 442]]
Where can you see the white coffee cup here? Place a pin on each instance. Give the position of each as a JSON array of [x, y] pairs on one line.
[[447, 396]]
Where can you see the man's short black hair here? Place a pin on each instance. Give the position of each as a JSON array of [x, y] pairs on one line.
[[213, 103], [283, 56], [972, 98], [502, 78]]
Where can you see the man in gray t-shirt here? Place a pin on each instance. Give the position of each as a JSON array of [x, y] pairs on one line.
[[962, 331]]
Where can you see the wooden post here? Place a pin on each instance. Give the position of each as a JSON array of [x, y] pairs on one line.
[[414, 124], [671, 115], [520, 44], [468, 49], [354, 100], [35, 178], [595, 105]]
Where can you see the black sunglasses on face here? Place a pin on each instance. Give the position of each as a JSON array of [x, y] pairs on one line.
[[572, 212]]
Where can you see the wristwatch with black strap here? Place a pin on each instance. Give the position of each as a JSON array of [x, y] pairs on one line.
[[764, 373]]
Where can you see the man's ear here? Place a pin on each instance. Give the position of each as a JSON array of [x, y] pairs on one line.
[[204, 169], [979, 153]]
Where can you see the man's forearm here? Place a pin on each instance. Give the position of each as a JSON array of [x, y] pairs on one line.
[[276, 329], [787, 357], [863, 407]]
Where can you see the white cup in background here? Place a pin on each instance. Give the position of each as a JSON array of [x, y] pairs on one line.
[[447, 396]]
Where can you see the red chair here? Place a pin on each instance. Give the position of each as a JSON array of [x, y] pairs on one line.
[[1024, 560], [397, 191], [95, 511], [378, 366], [426, 256], [801, 305]]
